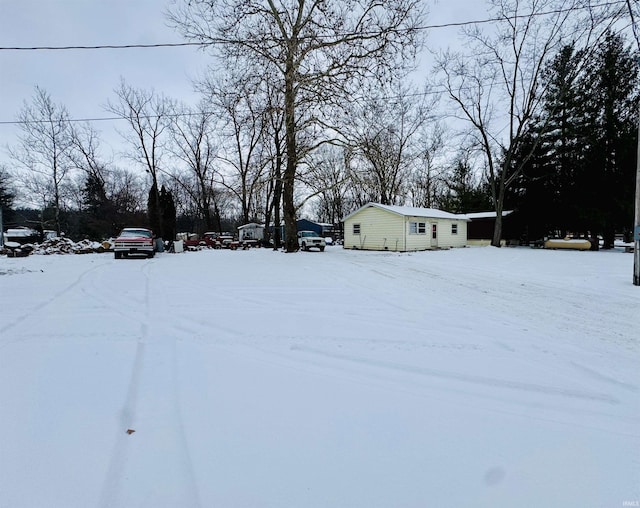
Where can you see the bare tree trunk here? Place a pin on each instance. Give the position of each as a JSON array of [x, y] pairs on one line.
[[496, 241], [288, 204]]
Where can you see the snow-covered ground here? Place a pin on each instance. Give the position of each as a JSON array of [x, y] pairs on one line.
[[472, 377]]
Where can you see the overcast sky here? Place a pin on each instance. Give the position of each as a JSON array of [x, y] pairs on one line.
[[83, 80]]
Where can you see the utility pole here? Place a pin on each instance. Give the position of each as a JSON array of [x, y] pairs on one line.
[[636, 219], [636, 216]]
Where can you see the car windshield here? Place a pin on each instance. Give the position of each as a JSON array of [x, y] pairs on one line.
[[135, 233], [308, 233]]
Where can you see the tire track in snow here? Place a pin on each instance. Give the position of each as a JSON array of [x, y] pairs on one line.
[[111, 491], [151, 466], [121, 304], [31, 312], [599, 376], [468, 378], [549, 300]]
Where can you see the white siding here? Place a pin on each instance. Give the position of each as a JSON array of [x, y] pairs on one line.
[[446, 239], [418, 241], [384, 230], [379, 230]]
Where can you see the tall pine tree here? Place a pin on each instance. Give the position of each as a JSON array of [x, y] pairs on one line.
[[99, 213], [610, 86], [580, 178], [153, 210], [548, 201], [168, 213], [464, 194], [7, 197]]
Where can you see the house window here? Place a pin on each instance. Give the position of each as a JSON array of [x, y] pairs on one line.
[[454, 229], [417, 228], [356, 229], [434, 231]]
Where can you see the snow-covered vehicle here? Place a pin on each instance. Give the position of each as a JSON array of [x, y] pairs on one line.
[[226, 241], [207, 240], [310, 239], [22, 236], [134, 241]]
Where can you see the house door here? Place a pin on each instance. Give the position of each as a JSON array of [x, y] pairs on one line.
[[434, 235]]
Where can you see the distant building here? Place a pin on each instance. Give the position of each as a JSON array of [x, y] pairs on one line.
[[251, 231], [323, 229], [481, 226]]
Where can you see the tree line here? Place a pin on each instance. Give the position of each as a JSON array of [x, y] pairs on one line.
[[309, 107], [582, 167]]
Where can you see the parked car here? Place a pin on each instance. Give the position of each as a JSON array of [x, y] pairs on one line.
[[134, 241], [226, 241], [207, 240], [310, 239]]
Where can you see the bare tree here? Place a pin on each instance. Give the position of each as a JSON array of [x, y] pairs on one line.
[[274, 150], [427, 177], [383, 132], [237, 98], [498, 85], [85, 154], [44, 150], [148, 115], [329, 178], [195, 147], [126, 189], [317, 47]]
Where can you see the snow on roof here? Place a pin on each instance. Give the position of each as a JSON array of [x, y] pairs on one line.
[[487, 215], [21, 232], [251, 225], [410, 211]]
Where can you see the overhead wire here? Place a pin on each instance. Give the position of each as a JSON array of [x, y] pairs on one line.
[[212, 41]]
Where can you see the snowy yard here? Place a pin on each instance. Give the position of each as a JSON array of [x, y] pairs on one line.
[[472, 377]]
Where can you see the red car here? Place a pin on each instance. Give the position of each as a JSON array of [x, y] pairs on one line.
[[134, 241]]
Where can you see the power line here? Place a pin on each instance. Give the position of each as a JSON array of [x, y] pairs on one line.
[[200, 44], [209, 113], [68, 120], [101, 46], [234, 41], [107, 118]]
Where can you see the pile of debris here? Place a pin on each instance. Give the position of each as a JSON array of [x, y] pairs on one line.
[[54, 246]]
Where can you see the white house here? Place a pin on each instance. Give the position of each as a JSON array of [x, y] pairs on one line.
[[251, 231], [403, 228]]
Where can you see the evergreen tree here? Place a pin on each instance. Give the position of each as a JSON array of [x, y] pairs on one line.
[[7, 198], [99, 217], [607, 182], [580, 179], [562, 158], [464, 194], [546, 196], [168, 212], [153, 210]]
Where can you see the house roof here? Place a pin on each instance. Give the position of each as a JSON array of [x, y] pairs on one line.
[[251, 225], [487, 215], [410, 211], [314, 222]]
